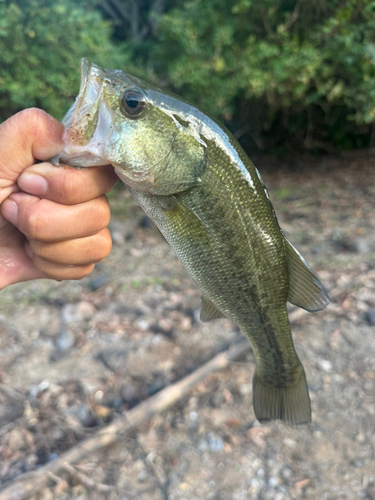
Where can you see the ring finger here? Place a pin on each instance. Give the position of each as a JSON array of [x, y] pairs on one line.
[[78, 252]]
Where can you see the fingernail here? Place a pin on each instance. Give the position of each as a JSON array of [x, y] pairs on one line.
[[9, 209], [33, 184]]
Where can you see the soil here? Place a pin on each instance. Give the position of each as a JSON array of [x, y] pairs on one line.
[[76, 355]]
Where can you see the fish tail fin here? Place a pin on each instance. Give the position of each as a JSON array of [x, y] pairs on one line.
[[291, 403]]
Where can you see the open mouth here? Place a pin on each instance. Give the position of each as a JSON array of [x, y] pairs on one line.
[[87, 122]]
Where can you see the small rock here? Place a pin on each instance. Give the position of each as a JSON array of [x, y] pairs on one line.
[[286, 472], [290, 443], [16, 441], [215, 442], [85, 310], [142, 476], [145, 222], [82, 311], [30, 462], [114, 359], [315, 383], [102, 411], [273, 481], [156, 386], [117, 238], [217, 399], [142, 325], [370, 317], [260, 472], [362, 245], [42, 455], [116, 403], [35, 390], [85, 416], [325, 365], [193, 421], [65, 341], [99, 281], [129, 394], [245, 389]]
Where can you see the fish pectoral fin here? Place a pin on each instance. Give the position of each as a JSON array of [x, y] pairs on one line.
[[187, 224], [291, 404], [209, 311], [305, 289]]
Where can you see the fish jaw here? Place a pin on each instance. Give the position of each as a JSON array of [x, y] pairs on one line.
[[87, 123]]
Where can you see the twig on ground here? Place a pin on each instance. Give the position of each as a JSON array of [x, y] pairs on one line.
[[163, 487], [87, 481], [22, 487]]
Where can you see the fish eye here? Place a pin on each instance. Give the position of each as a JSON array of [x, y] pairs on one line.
[[133, 103]]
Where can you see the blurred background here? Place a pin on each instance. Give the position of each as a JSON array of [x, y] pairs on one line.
[[294, 80], [281, 74]]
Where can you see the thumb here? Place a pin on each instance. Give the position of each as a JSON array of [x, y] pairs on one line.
[[28, 136]]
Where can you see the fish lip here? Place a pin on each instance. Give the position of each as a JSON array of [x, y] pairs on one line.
[[78, 152], [85, 71]]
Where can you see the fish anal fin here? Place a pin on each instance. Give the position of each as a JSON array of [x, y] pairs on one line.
[[209, 311], [305, 289], [291, 403]]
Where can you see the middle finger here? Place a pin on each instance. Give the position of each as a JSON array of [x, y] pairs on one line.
[[45, 220]]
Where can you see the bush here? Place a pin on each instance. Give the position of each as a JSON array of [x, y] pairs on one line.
[[290, 70], [41, 43]]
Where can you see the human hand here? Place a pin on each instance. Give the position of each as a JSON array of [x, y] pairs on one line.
[[54, 225]]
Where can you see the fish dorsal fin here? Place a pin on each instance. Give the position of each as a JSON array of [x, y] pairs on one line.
[[209, 311], [305, 289]]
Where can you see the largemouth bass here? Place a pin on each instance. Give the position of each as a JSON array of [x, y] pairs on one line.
[[208, 201]]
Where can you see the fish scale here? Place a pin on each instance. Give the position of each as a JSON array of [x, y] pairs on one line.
[[208, 201]]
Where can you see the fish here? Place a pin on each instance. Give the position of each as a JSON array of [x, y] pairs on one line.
[[208, 201]]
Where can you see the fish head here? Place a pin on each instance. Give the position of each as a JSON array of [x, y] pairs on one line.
[[145, 132]]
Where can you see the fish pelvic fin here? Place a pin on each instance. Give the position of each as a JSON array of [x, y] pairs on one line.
[[305, 288], [291, 403], [209, 311]]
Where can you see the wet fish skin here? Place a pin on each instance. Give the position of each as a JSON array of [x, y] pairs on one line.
[[207, 199]]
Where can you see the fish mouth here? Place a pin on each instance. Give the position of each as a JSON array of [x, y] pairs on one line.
[[87, 122]]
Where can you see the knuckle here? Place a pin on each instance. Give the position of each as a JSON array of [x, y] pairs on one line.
[[103, 244], [33, 120], [34, 225], [69, 185], [103, 211]]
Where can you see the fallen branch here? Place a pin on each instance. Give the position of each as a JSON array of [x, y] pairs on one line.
[[87, 481], [24, 486]]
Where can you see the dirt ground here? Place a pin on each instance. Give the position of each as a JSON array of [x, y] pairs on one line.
[[76, 355]]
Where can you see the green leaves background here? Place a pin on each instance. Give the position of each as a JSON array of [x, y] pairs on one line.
[[280, 73]]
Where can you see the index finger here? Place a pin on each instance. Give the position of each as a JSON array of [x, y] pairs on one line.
[[30, 135], [65, 184]]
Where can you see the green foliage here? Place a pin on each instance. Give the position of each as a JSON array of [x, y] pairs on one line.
[[311, 65], [276, 71], [41, 43]]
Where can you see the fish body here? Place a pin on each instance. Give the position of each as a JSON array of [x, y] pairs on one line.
[[208, 201]]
